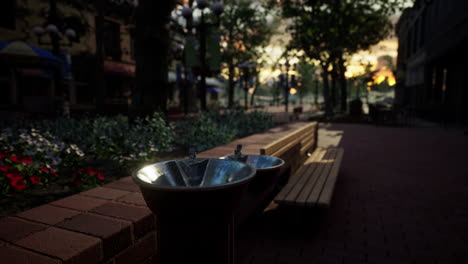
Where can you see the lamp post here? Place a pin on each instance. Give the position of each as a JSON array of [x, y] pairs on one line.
[[55, 36], [300, 90], [245, 68], [217, 8], [287, 67], [52, 29]]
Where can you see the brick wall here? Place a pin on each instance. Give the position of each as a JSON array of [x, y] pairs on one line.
[[109, 224]]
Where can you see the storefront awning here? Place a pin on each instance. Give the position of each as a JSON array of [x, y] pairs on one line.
[[118, 68], [22, 53]]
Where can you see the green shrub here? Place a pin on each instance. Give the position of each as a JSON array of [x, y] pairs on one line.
[[146, 138], [107, 138], [203, 133], [213, 128]]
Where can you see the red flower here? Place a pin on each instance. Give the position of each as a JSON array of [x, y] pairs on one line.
[[100, 176], [26, 160], [91, 171], [14, 158], [13, 176], [53, 172], [4, 168], [77, 181], [35, 179], [3, 156], [44, 169], [19, 184]]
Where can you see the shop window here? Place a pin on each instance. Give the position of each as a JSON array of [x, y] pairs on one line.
[[4, 86], [132, 48], [7, 14], [111, 38]]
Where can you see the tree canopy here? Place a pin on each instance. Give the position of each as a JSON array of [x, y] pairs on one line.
[[246, 32], [331, 30]]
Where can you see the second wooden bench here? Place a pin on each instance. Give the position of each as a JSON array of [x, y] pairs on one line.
[[312, 171]]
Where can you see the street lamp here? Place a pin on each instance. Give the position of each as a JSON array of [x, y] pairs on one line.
[[54, 32], [245, 68], [55, 36], [287, 66], [217, 8]]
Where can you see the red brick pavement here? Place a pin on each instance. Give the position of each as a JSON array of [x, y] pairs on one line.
[[401, 197]]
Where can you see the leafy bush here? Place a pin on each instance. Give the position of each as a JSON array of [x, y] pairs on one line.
[[213, 128], [35, 150], [146, 138], [109, 138], [203, 133], [243, 123]]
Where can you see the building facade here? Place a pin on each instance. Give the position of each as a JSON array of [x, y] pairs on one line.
[[432, 69], [98, 68]]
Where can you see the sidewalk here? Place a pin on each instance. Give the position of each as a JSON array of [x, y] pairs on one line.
[[281, 117], [401, 197]]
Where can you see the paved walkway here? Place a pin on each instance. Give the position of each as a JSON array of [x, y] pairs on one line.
[[401, 197]]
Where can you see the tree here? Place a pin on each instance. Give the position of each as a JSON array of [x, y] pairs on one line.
[[245, 33], [306, 71], [152, 48], [332, 30]]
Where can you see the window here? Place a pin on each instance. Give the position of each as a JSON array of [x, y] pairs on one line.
[[7, 14], [132, 48], [111, 39]]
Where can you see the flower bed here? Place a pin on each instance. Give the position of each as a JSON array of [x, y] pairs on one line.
[[41, 161], [49, 159]]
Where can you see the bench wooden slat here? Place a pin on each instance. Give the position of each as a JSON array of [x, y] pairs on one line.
[[280, 143], [312, 168], [295, 178], [327, 192], [313, 178], [307, 143], [296, 140], [316, 180], [314, 195]]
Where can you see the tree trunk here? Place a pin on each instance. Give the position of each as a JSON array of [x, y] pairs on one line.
[[316, 90], [326, 92], [100, 89], [333, 76], [152, 47], [257, 83], [277, 93], [343, 85], [231, 84]]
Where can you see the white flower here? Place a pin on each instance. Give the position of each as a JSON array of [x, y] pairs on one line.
[[56, 161], [143, 154]]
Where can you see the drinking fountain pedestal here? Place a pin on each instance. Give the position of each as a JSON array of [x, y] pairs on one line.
[[195, 224]]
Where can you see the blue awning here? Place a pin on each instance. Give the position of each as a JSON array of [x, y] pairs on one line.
[[20, 52]]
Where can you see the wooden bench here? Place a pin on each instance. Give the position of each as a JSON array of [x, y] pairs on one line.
[[294, 147], [311, 171], [313, 184]]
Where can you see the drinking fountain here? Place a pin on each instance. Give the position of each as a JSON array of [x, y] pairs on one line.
[[262, 186], [194, 201]]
